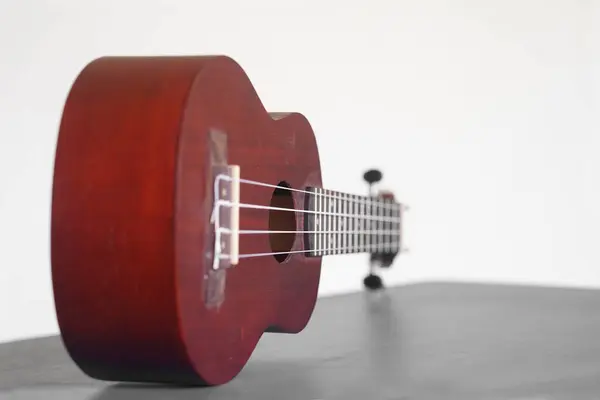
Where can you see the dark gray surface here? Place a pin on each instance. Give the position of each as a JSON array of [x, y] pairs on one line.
[[426, 341]]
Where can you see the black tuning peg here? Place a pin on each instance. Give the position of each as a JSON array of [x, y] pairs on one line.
[[373, 176], [373, 282]]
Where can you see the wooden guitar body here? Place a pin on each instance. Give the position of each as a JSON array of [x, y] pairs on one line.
[[131, 234]]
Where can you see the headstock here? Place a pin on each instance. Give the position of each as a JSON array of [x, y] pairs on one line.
[[377, 259]]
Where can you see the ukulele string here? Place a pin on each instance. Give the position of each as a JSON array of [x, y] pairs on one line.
[[353, 198], [332, 250], [382, 218], [361, 200], [350, 232]]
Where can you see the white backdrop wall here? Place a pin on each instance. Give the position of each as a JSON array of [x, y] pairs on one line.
[[483, 115]]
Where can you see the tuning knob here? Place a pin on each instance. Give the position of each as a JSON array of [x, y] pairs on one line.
[[372, 176], [373, 282]]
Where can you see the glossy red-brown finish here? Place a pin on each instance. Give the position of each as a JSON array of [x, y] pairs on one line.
[[130, 217]]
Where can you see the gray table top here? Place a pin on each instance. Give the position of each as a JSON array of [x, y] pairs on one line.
[[423, 341]]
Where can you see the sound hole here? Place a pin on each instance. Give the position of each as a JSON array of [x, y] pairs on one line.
[[281, 220]]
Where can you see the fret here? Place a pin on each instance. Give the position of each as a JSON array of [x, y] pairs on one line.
[[342, 225], [316, 222], [384, 225], [349, 224], [367, 226], [323, 227], [393, 235], [319, 224], [350, 248], [379, 227], [361, 225], [396, 230], [390, 226], [327, 228], [361, 221], [351, 220], [382, 222], [368, 223], [377, 221], [333, 226], [341, 222], [346, 224], [387, 239], [393, 228], [338, 220], [321, 218], [390, 237], [357, 223], [357, 201], [371, 226], [329, 205], [338, 238], [341, 228]]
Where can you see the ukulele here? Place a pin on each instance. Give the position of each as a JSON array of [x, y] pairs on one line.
[[187, 221]]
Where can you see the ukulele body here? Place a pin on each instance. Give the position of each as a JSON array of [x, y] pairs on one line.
[[131, 232]]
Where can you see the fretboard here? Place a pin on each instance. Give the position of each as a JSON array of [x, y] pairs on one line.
[[341, 223]]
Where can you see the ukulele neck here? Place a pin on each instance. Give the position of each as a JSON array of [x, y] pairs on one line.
[[342, 223]]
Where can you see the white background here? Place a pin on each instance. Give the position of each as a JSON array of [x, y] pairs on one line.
[[482, 114]]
